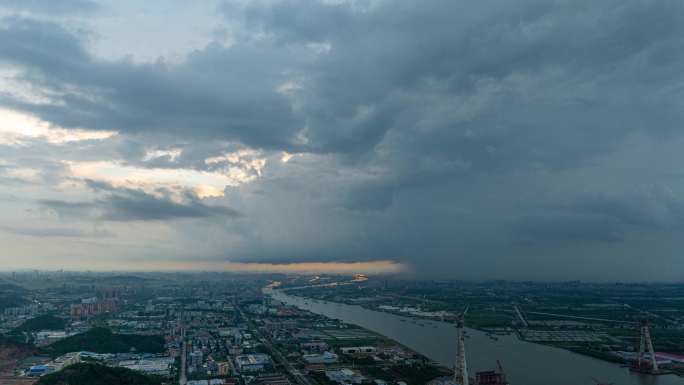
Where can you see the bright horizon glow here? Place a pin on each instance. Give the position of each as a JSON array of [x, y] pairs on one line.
[[140, 265]]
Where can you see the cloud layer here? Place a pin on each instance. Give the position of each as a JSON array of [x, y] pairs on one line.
[[527, 140]]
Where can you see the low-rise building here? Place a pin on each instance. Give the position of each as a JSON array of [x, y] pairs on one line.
[[324, 358], [345, 376], [271, 379], [358, 350], [46, 337], [314, 346], [156, 366], [251, 363], [38, 370]]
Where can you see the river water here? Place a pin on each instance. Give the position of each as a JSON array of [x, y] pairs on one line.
[[525, 363]]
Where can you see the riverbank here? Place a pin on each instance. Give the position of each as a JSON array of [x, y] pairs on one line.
[[524, 362], [329, 350], [476, 322]]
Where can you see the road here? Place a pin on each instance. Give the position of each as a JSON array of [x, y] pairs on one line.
[[578, 318], [520, 315]]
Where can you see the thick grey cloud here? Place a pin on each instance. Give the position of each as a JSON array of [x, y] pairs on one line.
[[479, 139], [208, 97], [125, 204], [606, 218], [464, 84], [458, 80]]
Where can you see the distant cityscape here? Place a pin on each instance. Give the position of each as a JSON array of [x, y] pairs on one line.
[[197, 329], [211, 329]]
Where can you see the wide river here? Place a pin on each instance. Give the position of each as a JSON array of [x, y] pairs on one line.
[[525, 363]]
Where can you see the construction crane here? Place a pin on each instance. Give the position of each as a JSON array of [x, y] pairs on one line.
[[492, 377], [646, 359], [460, 366]]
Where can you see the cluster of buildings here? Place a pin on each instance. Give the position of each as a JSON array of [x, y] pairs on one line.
[[92, 306], [330, 351], [55, 365], [29, 310], [159, 365], [265, 342], [253, 363], [220, 333]]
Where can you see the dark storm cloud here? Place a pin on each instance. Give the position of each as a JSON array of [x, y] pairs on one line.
[[124, 204], [455, 136], [604, 218], [373, 195], [466, 81], [569, 227], [626, 211], [488, 84]]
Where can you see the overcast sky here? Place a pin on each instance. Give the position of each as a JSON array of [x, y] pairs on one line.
[[447, 139]]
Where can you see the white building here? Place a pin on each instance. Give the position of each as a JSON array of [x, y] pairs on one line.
[[358, 350], [345, 376], [46, 337], [157, 366]]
